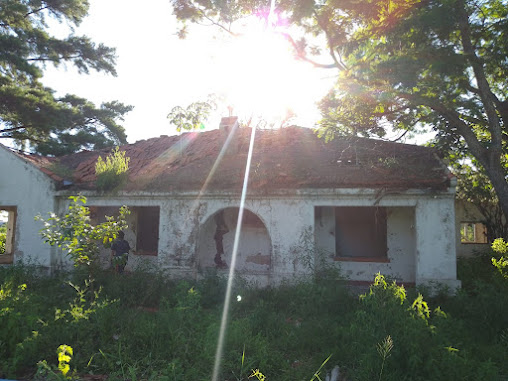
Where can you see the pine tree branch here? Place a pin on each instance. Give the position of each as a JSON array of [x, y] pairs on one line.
[[36, 11]]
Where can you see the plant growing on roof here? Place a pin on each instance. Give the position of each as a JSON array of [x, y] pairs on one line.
[[112, 172]]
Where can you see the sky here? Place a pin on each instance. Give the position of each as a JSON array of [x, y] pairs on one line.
[[158, 71]]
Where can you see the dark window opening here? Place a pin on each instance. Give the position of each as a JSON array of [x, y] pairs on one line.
[[147, 232], [360, 232], [143, 221], [7, 232]]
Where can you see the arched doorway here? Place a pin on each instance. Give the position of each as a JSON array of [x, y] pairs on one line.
[[217, 234]]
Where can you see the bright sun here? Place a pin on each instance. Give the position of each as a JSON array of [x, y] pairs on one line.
[[259, 75]]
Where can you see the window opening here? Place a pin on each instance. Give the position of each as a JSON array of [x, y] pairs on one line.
[[7, 232], [473, 232], [360, 232], [147, 232]]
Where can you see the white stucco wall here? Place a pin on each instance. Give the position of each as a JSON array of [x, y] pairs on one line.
[[420, 233], [436, 257], [255, 248], [32, 193]]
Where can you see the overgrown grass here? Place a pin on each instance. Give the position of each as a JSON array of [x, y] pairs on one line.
[[143, 326]]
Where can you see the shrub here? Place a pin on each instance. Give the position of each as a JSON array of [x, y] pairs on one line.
[[112, 173], [76, 236], [500, 248]]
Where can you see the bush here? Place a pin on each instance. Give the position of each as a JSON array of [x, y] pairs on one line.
[[112, 173], [76, 236], [143, 326]]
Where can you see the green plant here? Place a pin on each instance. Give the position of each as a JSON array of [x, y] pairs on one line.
[[112, 173], [500, 247], [74, 233], [317, 373], [45, 371], [259, 376], [3, 237], [167, 330], [384, 349]]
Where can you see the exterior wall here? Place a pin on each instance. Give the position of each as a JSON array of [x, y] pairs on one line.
[[436, 258], [254, 251], [184, 220], [32, 193], [421, 228], [465, 212], [420, 234]]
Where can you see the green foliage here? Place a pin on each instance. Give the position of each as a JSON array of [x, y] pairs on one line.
[[112, 173], [3, 238], [193, 116], [474, 187], [402, 65], [29, 111], [384, 349], [500, 247], [165, 330], [76, 236], [45, 371]]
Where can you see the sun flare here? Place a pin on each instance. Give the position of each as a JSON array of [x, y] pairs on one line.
[[259, 76]]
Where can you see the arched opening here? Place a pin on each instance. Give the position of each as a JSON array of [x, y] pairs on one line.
[[216, 236]]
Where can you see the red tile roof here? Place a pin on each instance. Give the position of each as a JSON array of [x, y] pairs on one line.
[[289, 158]]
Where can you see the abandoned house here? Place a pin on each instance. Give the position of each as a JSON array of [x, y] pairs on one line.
[[363, 205]]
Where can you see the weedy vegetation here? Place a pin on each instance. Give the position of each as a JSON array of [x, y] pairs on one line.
[[112, 173], [141, 325]]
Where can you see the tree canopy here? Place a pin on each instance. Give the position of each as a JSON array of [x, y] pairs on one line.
[[403, 64], [30, 113]]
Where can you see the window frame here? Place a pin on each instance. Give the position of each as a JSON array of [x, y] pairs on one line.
[[479, 228], [10, 239]]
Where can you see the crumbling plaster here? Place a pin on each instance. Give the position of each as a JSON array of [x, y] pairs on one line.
[[420, 250]]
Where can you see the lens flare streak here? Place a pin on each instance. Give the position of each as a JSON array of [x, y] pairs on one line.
[[225, 310]]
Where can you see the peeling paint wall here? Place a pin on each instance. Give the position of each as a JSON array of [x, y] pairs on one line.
[[420, 235], [436, 253], [286, 245], [31, 192], [255, 248]]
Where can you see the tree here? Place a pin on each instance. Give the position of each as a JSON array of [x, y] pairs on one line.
[[30, 113], [474, 187], [404, 64], [194, 115]]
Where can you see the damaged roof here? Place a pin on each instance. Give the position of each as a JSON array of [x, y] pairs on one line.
[[287, 158]]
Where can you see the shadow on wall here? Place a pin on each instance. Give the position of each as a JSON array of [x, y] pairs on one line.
[[216, 236]]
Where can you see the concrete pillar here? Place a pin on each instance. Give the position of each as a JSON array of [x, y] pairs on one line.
[[436, 260]]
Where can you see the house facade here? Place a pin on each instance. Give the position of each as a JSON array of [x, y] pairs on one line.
[[360, 205]]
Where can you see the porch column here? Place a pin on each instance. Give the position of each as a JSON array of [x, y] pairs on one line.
[[436, 259]]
